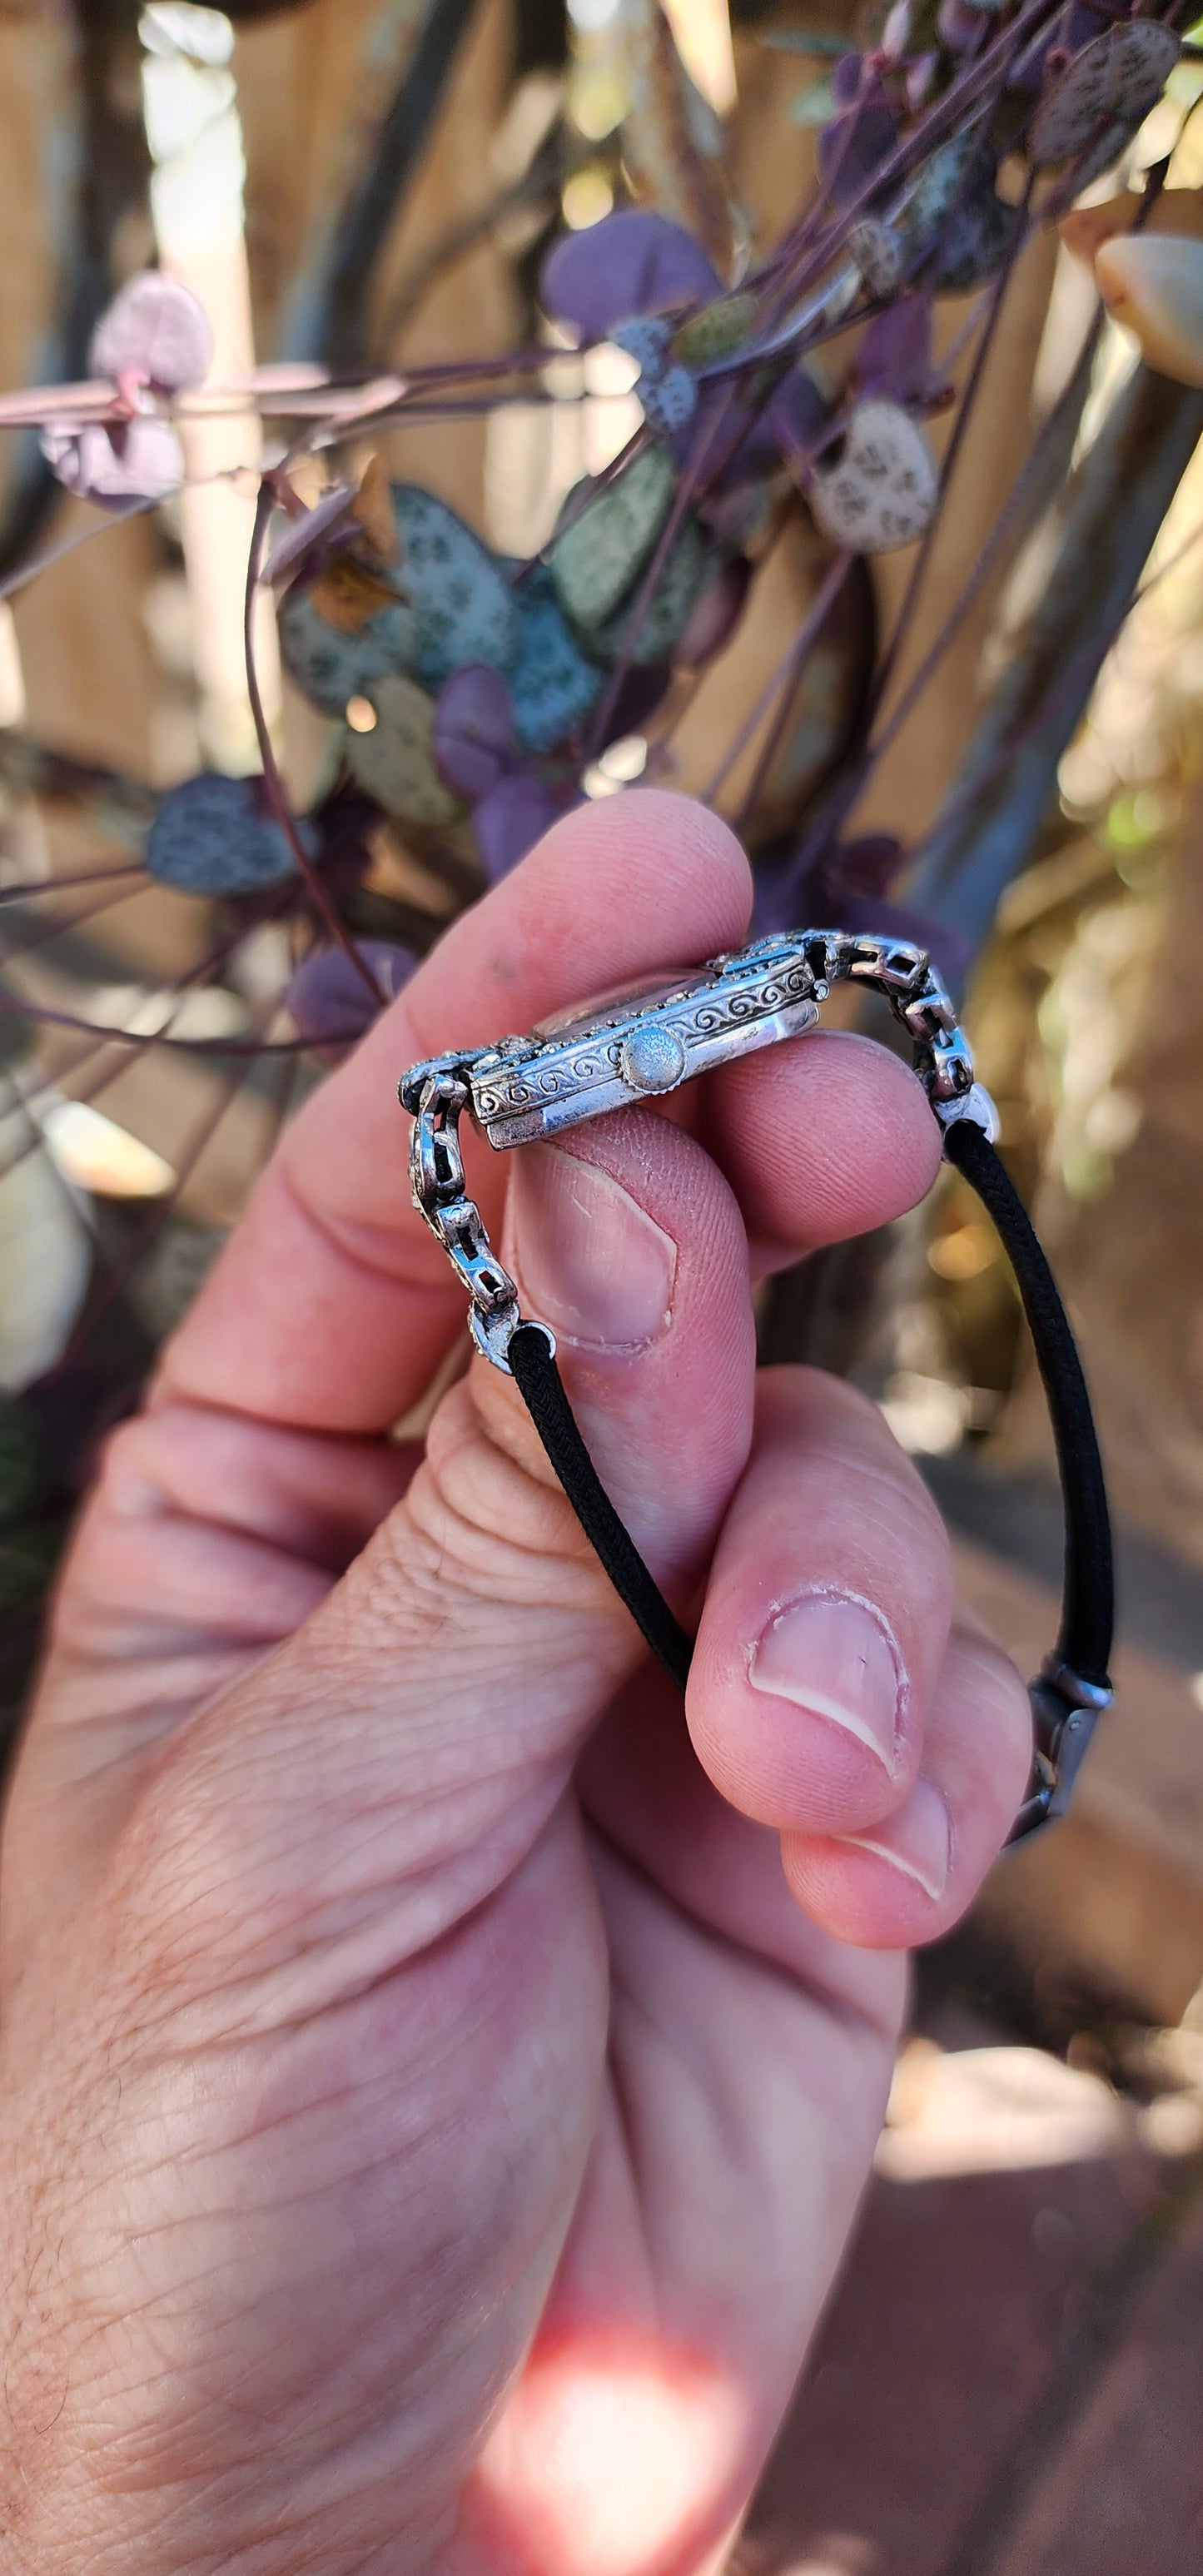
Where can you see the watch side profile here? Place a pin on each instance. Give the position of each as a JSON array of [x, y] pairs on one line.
[[637, 1045]]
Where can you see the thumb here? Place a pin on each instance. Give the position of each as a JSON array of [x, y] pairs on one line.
[[418, 1729]]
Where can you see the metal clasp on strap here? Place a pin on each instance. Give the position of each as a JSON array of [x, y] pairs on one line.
[[1065, 1709]]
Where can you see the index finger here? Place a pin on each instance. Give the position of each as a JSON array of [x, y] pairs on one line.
[[332, 1305]]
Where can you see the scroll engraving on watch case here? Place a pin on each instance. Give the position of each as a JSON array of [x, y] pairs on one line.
[[632, 1046]]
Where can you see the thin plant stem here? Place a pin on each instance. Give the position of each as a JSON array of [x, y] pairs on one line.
[[271, 774]]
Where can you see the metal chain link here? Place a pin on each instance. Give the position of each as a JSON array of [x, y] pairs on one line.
[[436, 1176]]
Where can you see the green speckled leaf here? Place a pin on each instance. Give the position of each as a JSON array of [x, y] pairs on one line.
[[22, 1465], [395, 762], [716, 331], [676, 592], [329, 666], [552, 685], [604, 547], [457, 607], [462, 606]]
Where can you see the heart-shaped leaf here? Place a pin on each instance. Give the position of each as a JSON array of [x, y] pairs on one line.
[[332, 665], [395, 761], [631, 262], [213, 836], [155, 332], [473, 733], [668, 611], [1114, 81], [882, 491], [717, 331], [509, 820], [113, 463], [553, 685], [462, 606], [329, 1000], [606, 541]]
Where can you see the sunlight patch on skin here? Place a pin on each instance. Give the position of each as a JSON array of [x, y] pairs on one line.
[[610, 2462]]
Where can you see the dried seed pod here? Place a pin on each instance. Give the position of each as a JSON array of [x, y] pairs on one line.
[[879, 253], [883, 490], [1153, 284], [1113, 82], [395, 760]]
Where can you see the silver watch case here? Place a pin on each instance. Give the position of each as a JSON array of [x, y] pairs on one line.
[[634, 1045]]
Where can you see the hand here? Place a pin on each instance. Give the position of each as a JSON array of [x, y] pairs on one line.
[[438, 2086]]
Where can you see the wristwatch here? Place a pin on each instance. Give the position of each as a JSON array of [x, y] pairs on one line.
[[646, 1040]]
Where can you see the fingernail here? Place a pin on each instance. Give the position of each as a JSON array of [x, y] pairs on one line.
[[918, 1840], [590, 1261], [833, 1655]]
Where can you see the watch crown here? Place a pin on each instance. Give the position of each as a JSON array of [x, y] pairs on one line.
[[651, 1059]]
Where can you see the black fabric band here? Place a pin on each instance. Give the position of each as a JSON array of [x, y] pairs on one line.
[[1084, 1642], [1088, 1600]]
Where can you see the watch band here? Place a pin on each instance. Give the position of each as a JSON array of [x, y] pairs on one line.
[[632, 1046]]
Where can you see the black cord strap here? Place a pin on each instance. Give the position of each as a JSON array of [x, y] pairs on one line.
[[1072, 1686], [532, 1363]]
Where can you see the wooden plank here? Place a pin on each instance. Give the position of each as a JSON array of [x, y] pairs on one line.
[[1125, 2491]]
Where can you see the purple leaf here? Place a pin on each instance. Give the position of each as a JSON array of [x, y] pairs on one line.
[[847, 73], [960, 26], [642, 690], [865, 866], [154, 333], [473, 733], [854, 145], [115, 463], [629, 263], [330, 1002], [509, 820], [715, 613], [796, 413], [895, 355]]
